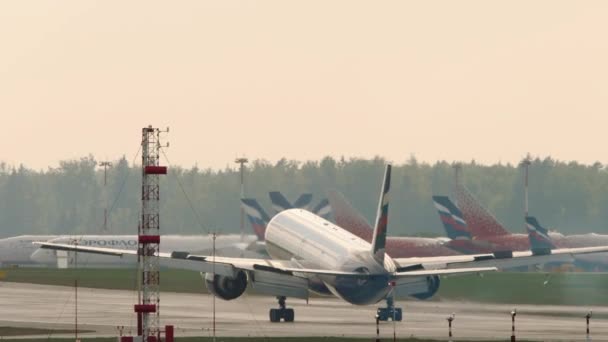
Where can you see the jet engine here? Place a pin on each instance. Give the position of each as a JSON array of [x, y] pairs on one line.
[[224, 287], [432, 283]]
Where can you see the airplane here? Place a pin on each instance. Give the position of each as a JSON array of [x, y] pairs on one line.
[[310, 253], [538, 233], [464, 241], [539, 238], [347, 217]]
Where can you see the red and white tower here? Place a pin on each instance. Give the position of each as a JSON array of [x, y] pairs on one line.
[[148, 325]]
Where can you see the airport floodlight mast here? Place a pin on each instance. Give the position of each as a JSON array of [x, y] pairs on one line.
[[242, 162], [148, 325], [457, 166], [105, 165], [525, 164]]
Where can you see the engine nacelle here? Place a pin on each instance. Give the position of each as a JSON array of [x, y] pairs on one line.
[[224, 287], [433, 283]]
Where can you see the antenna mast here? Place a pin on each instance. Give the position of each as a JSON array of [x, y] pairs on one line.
[[147, 310]]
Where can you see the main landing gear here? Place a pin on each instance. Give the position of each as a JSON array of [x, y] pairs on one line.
[[282, 312], [390, 312]]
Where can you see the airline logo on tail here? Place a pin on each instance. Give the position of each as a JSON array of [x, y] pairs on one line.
[[256, 216], [451, 217], [538, 235], [379, 237]]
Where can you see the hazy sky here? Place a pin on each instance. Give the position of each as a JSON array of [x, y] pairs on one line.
[[455, 80]]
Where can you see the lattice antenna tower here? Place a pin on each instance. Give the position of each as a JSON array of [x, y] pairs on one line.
[[147, 309]]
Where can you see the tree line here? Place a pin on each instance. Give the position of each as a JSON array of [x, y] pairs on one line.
[[70, 198]]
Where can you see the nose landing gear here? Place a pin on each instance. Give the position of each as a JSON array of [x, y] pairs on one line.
[[390, 312], [287, 315]]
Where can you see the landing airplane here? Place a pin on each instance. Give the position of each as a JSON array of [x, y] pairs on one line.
[[312, 254]]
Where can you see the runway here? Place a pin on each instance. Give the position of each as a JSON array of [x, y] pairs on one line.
[[103, 310]]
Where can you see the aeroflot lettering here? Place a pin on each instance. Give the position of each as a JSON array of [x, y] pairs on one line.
[[108, 243]]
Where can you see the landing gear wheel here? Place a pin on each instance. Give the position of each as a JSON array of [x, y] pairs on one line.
[[287, 315], [390, 312], [275, 315]]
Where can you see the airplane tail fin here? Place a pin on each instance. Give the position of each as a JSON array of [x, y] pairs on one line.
[[479, 220], [280, 203], [347, 217], [538, 235], [379, 236], [303, 201], [323, 209], [453, 222], [256, 216]]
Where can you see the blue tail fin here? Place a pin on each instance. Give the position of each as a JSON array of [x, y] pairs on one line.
[[379, 237], [279, 202], [538, 235], [451, 217], [303, 201], [256, 216], [323, 209]]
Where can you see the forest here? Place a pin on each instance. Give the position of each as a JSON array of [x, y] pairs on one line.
[[70, 199]]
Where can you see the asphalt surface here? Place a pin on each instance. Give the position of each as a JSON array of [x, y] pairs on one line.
[[104, 310]]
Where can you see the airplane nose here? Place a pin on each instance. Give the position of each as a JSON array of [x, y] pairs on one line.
[[42, 256]]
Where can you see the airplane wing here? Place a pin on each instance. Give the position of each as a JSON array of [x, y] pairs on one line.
[[228, 266], [500, 260]]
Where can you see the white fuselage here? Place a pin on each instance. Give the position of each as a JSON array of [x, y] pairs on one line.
[[313, 242]]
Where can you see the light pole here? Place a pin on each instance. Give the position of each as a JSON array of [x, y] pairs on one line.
[[525, 164], [588, 317], [450, 319], [105, 165], [242, 162], [457, 170], [513, 314]]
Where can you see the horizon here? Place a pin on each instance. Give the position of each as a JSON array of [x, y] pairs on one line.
[[234, 167]]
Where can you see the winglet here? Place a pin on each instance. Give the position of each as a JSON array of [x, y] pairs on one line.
[[379, 237], [454, 224], [538, 235], [257, 216]]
